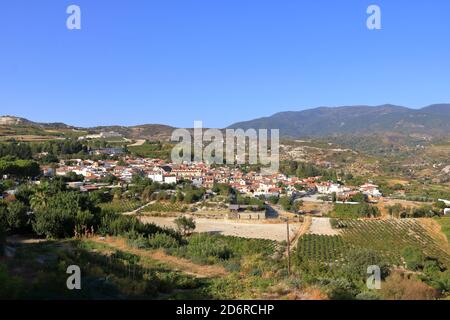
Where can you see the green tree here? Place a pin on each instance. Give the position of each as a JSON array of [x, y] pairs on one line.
[[17, 217], [285, 203], [185, 225], [65, 213]]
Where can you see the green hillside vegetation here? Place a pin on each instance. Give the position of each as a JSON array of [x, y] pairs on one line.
[[156, 150]]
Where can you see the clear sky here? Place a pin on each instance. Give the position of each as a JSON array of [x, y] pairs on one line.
[[220, 61]]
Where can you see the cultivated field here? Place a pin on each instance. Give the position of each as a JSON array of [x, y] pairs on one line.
[[386, 237]]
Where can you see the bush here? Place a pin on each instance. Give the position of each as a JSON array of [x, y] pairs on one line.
[[334, 223], [341, 289], [401, 287], [367, 295], [162, 240], [413, 257], [137, 240], [17, 216]]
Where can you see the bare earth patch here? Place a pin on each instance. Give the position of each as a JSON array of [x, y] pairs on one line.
[[322, 226], [276, 232]]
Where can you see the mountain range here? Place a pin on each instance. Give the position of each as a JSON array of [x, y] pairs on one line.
[[433, 121]]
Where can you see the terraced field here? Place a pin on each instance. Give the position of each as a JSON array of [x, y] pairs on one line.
[[121, 206], [388, 237], [164, 207]]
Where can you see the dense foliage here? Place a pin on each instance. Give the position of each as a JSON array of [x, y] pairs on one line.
[[363, 210], [19, 168], [306, 170]]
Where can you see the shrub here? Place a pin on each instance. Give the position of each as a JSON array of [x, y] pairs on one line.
[[413, 257], [137, 240], [17, 216], [367, 295], [334, 223], [341, 289], [401, 287], [162, 240]]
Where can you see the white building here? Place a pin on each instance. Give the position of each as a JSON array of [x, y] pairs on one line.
[[170, 179], [329, 188], [156, 176], [370, 190]]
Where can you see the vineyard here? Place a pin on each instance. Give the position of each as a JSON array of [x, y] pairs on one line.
[[165, 207], [388, 237], [321, 247]]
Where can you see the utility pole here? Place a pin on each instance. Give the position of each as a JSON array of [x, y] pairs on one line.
[[288, 247]]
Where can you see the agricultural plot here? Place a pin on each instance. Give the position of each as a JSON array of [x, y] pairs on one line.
[[321, 247], [121, 206], [444, 222], [387, 237], [164, 207]]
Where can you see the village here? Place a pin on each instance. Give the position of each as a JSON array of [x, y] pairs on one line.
[[251, 184]]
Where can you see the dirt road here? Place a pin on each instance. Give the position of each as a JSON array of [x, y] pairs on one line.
[[138, 143], [276, 232], [138, 209]]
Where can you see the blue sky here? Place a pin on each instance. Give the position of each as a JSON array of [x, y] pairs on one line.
[[220, 61]]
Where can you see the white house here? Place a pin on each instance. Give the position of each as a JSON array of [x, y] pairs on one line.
[[370, 190], [329, 188], [156, 176], [170, 179]]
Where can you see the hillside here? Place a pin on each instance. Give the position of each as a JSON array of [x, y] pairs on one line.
[[324, 121], [386, 120], [145, 131], [21, 128]]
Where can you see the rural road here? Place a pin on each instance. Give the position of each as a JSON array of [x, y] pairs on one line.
[[138, 209], [138, 143]]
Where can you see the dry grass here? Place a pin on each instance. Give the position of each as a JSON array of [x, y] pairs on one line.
[[183, 265]]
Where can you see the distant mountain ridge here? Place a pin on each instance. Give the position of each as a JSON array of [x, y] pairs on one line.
[[145, 131], [18, 121], [433, 120]]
